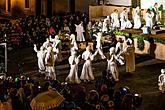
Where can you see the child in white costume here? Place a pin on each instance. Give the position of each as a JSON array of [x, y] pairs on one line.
[[41, 56], [49, 62], [87, 73], [115, 19], [112, 64], [161, 81], [73, 74]]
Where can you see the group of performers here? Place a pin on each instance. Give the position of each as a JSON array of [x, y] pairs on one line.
[[49, 53]]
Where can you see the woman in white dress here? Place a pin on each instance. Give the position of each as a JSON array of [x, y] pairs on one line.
[[73, 41], [99, 45], [137, 21], [80, 32], [73, 74], [115, 19], [112, 64], [87, 73], [41, 56], [161, 81], [125, 23], [148, 19]]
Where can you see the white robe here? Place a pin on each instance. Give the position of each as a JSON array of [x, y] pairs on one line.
[[73, 74], [80, 31], [57, 50], [105, 26], [161, 82], [112, 67], [148, 19], [115, 20], [125, 23], [137, 21], [41, 57], [118, 51], [87, 73]]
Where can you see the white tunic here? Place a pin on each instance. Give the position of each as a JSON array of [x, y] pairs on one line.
[[115, 20], [148, 19], [41, 57], [125, 23], [161, 82], [137, 21], [118, 51], [80, 30], [87, 73], [105, 26], [73, 74]]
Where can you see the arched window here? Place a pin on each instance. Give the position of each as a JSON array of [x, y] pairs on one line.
[[27, 3]]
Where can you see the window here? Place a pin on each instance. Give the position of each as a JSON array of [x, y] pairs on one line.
[[27, 3]]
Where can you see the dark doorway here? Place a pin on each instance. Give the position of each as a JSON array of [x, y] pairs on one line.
[[49, 8], [72, 5], [38, 7]]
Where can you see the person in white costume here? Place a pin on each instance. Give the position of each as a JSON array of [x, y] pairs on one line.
[[137, 21], [80, 32], [119, 50], [99, 45], [73, 41], [112, 64], [148, 19], [57, 48], [105, 26], [161, 81], [49, 62], [87, 73], [115, 19], [125, 23], [41, 56], [73, 74]]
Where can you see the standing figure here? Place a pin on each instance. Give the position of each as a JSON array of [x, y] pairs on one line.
[[41, 56], [80, 32], [125, 23], [161, 81], [112, 64], [137, 21], [105, 26], [129, 52], [156, 14], [99, 45], [87, 73], [49, 62], [148, 19], [115, 19], [73, 41], [119, 50], [57, 48], [73, 74], [47, 43]]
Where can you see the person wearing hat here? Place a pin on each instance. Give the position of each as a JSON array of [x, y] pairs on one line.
[[129, 52], [161, 81], [87, 73], [112, 64], [49, 62], [73, 74]]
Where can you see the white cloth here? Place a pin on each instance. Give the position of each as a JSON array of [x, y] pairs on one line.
[[87, 73], [80, 31], [41, 57], [118, 51], [161, 82], [57, 50], [148, 20], [115, 20], [137, 21], [73, 74], [112, 67], [105, 26]]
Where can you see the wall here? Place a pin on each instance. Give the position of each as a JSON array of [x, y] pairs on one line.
[[82, 5]]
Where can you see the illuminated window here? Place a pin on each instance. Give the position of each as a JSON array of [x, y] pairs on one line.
[[27, 3]]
